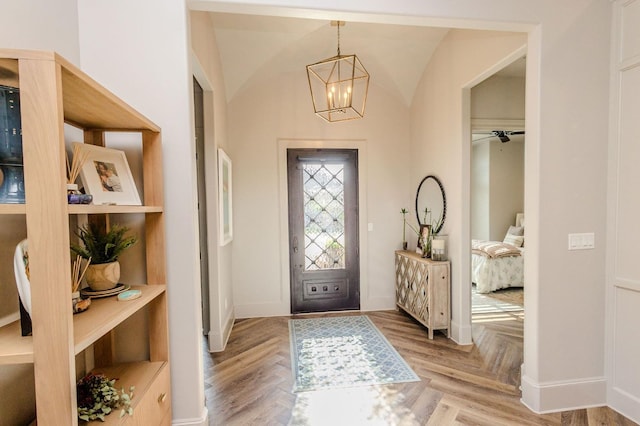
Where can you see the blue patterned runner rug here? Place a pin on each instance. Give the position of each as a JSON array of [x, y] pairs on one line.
[[339, 352]]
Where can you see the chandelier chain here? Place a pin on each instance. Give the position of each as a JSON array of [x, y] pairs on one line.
[[338, 37]]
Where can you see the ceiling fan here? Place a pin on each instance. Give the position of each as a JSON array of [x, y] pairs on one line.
[[503, 135]]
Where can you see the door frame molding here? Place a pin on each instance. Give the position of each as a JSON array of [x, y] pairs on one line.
[[360, 146]]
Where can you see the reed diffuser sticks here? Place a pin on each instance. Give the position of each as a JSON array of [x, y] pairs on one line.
[[77, 161], [77, 273]]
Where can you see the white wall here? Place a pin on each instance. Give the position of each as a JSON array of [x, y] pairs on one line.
[[497, 186], [41, 25], [480, 190], [498, 98], [565, 189], [507, 185], [27, 25], [263, 121], [140, 51], [207, 58]]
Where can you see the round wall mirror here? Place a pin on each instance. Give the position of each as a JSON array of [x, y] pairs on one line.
[[431, 203]]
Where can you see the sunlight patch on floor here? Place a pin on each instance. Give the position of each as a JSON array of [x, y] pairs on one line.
[[370, 405], [505, 316]]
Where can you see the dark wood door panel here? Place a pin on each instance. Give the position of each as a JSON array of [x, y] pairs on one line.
[[323, 230]]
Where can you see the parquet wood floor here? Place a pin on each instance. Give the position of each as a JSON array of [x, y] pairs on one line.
[[250, 382]]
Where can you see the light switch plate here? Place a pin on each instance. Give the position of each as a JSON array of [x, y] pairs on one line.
[[584, 241]]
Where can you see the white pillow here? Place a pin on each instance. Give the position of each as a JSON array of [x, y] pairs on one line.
[[516, 230], [514, 240]]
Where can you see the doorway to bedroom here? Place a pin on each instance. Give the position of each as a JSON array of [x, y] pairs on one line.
[[497, 219]]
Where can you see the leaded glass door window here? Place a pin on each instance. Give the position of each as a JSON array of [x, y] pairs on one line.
[[323, 228], [323, 187]]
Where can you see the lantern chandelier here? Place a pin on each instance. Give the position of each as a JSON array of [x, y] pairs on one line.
[[338, 85]]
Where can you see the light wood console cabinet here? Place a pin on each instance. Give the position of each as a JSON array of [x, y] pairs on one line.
[[54, 92], [423, 290]]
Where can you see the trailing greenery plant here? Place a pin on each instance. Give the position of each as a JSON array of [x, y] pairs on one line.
[[98, 397], [102, 246]]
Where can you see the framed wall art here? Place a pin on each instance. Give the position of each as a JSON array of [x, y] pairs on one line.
[[105, 174], [225, 198]]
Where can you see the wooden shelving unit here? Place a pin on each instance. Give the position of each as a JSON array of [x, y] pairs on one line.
[[54, 92]]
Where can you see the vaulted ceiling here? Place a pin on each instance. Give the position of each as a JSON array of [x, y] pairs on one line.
[[253, 47], [256, 47]]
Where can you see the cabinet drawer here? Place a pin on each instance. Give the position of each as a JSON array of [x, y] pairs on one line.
[[155, 406], [151, 397]]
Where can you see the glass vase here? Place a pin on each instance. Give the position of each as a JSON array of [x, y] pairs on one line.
[[11, 169]]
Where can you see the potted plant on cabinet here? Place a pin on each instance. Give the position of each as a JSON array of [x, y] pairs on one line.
[[103, 247], [424, 239]]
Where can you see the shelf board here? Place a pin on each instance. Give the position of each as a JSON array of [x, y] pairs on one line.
[[13, 209], [103, 315], [102, 209], [14, 348], [86, 103], [19, 209]]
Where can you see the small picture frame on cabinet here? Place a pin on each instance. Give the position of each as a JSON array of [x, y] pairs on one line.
[[105, 175], [425, 232]]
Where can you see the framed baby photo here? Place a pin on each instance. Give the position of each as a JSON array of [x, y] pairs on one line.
[[105, 174]]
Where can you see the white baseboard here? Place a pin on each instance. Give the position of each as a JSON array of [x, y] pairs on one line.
[[203, 420], [462, 335], [552, 397], [283, 309], [218, 341], [262, 310], [378, 304], [624, 403]]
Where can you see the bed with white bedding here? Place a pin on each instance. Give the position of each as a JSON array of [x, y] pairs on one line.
[[499, 264]]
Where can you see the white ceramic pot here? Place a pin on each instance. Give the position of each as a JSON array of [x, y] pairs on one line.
[[103, 276]]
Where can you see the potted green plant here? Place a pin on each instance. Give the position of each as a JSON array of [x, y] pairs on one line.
[[423, 241], [437, 224], [102, 247], [98, 397]]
